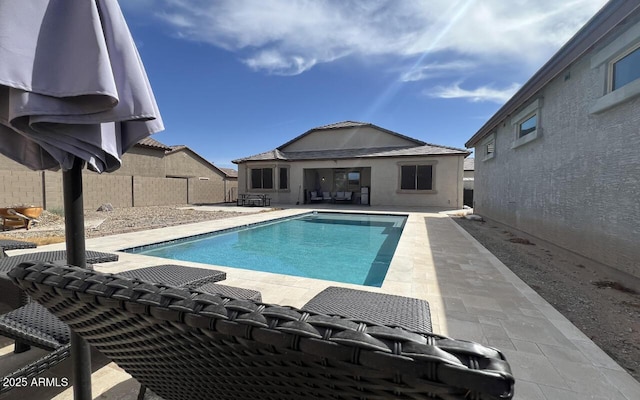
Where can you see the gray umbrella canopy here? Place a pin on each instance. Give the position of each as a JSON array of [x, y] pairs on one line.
[[72, 85], [73, 91]]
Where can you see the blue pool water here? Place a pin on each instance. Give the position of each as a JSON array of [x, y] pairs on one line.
[[351, 248]]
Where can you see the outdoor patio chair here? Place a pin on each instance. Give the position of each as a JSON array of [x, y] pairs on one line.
[[343, 196], [326, 196], [34, 325], [313, 197], [13, 296], [190, 345]]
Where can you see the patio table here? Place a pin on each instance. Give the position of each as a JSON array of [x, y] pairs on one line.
[[248, 199]]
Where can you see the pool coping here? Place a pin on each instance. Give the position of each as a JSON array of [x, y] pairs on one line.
[[134, 249]]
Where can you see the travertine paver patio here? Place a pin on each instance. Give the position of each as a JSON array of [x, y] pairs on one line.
[[472, 296]]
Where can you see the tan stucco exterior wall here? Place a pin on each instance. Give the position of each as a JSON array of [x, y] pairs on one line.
[[142, 161], [352, 138], [384, 180], [206, 183], [23, 187], [142, 180]]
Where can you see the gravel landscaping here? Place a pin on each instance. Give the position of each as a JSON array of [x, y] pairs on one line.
[[50, 227]]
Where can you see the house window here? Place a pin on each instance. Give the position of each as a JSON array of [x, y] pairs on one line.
[[284, 178], [262, 178], [416, 177], [625, 69], [617, 68], [344, 180], [354, 179], [528, 126]]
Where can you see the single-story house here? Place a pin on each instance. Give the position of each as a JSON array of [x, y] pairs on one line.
[[206, 182], [560, 160], [375, 165]]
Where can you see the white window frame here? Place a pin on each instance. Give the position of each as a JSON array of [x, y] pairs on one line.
[[533, 109], [603, 61], [612, 64]]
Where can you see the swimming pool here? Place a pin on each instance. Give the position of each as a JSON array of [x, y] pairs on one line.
[[341, 247]]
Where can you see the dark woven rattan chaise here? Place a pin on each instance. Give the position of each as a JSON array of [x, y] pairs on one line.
[[190, 345], [14, 297], [8, 244], [33, 325]]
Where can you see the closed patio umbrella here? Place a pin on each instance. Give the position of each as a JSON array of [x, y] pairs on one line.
[[73, 92]]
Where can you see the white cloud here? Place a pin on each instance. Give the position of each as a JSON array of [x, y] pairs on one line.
[[479, 94], [435, 70], [291, 36]]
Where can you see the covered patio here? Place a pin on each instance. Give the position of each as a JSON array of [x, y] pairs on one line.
[[354, 180]]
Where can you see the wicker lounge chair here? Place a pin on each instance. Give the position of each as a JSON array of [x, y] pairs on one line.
[[376, 308], [34, 325], [8, 244], [14, 297], [201, 346]]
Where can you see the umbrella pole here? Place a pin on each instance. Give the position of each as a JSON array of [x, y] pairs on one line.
[[76, 255]]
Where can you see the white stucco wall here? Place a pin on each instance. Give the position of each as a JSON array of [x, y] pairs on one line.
[[578, 184]]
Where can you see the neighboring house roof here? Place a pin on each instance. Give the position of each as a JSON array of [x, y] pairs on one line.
[[596, 29], [420, 149], [153, 144], [349, 124], [231, 173], [181, 147], [469, 164]]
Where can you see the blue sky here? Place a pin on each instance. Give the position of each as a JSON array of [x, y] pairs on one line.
[[237, 77]]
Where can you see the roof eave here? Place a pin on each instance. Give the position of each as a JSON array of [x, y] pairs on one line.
[[588, 36]]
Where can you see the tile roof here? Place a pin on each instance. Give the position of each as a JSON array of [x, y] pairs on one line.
[[469, 164], [425, 150], [152, 143], [343, 124], [231, 173], [173, 149]]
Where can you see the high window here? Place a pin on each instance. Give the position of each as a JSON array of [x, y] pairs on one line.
[[344, 180], [616, 69], [527, 126], [262, 178], [625, 70], [416, 177]]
